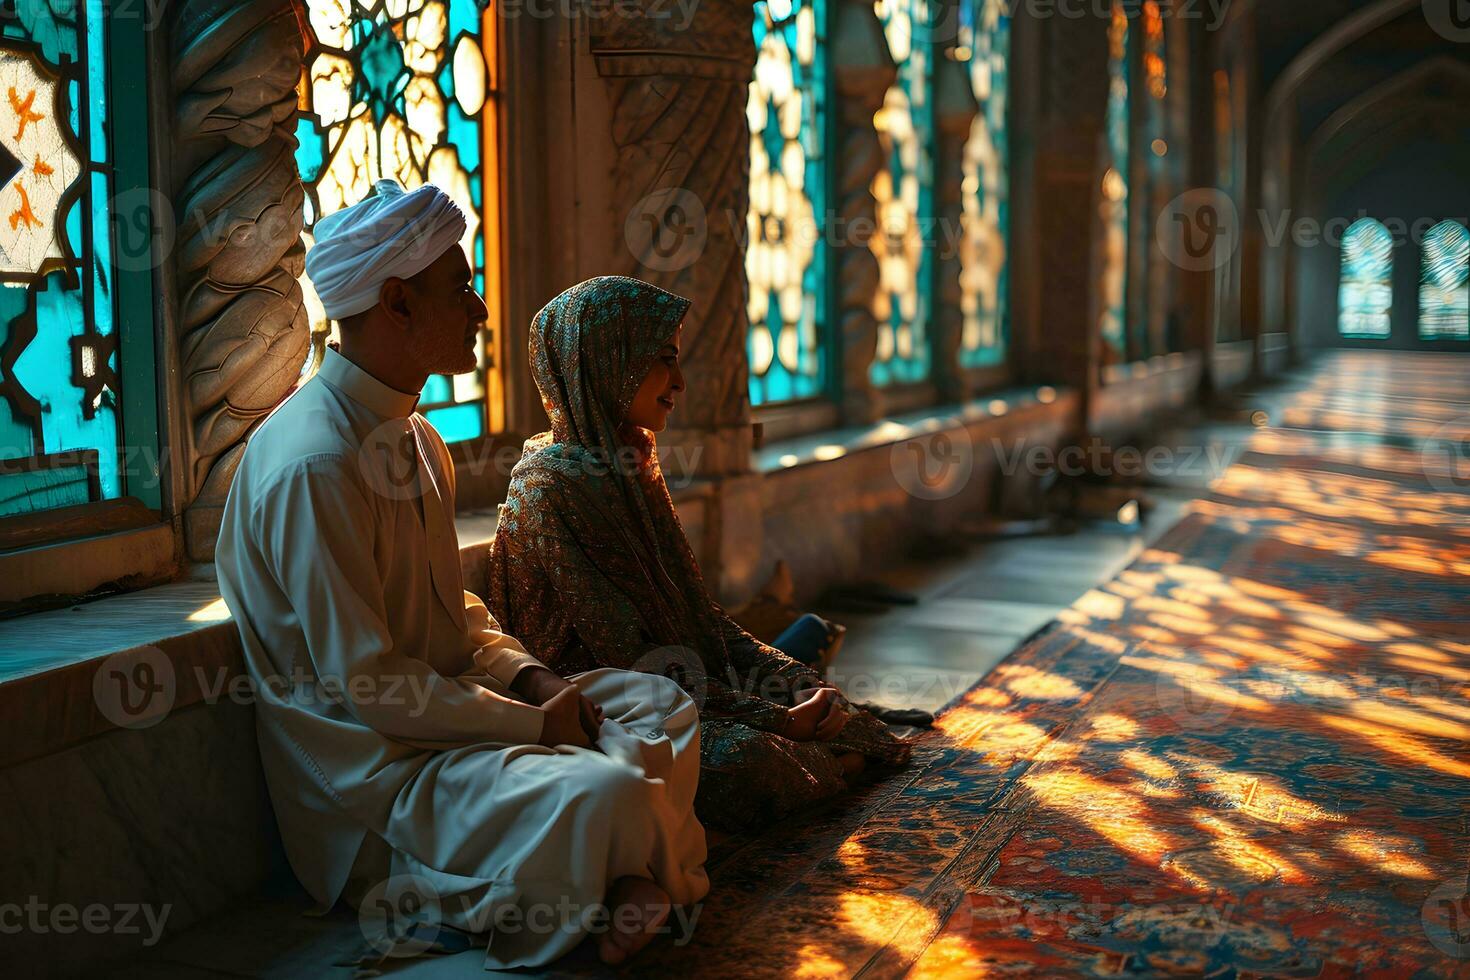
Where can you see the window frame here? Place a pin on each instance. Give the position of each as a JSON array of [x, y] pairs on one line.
[[128, 79], [144, 510], [982, 379], [1436, 339]]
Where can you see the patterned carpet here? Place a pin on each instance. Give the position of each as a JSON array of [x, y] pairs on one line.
[[1248, 755]]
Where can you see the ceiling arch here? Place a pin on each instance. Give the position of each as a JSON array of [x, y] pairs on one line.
[[1432, 98]]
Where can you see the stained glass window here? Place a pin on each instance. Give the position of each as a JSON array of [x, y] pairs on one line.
[[1366, 291], [1155, 61], [985, 37], [784, 262], [1444, 298], [404, 89], [64, 436], [903, 189], [1148, 315], [1115, 185]]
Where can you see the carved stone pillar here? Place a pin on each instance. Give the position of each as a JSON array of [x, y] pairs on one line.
[[240, 329], [955, 110], [662, 162], [1070, 161], [862, 71]]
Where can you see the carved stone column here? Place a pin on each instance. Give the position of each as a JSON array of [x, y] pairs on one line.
[[662, 162], [955, 110], [862, 71], [1070, 161], [240, 327]]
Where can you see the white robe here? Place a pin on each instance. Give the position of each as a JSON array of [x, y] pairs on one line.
[[383, 688]]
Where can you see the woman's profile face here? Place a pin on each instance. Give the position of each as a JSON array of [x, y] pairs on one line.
[[660, 389]]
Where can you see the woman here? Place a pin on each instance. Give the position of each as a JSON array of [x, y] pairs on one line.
[[590, 566]]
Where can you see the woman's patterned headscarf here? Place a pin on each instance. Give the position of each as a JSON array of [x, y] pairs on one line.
[[590, 350]]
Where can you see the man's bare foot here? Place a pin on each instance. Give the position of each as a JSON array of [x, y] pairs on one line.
[[638, 907], [852, 763]]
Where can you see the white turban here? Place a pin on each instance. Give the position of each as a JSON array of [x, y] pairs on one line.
[[392, 233]]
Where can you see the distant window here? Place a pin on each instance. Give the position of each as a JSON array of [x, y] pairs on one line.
[[1444, 299], [786, 260], [986, 35], [1365, 295], [1115, 185], [903, 189]]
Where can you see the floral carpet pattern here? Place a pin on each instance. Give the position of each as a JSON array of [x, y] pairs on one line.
[[1247, 755]]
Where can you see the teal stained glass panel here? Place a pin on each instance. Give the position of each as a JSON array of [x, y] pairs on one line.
[[786, 258], [60, 407], [904, 189], [985, 34], [1444, 299], [1365, 293], [1115, 185], [397, 88]]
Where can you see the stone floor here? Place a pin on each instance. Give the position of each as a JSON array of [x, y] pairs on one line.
[[977, 606]]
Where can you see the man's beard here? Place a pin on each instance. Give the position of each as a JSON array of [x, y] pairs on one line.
[[438, 358]]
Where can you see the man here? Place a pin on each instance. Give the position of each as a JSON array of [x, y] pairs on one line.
[[407, 743]]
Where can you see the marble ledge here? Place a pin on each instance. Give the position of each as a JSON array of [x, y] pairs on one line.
[[42, 641], [835, 443], [1158, 364]]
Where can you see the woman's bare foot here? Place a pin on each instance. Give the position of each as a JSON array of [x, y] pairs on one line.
[[638, 907], [852, 763]]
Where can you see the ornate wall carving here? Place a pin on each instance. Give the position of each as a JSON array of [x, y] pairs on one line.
[[241, 327], [674, 95], [862, 72]]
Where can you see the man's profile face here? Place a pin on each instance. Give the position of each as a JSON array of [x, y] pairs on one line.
[[446, 315]]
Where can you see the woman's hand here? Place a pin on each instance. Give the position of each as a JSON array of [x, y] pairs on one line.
[[541, 686], [817, 717]]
